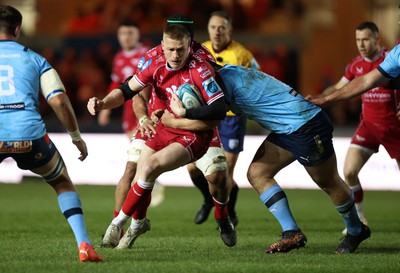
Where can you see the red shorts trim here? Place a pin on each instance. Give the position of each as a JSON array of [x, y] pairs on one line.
[[371, 136]]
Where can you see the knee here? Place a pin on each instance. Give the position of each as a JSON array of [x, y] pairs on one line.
[[350, 173], [150, 169], [259, 176], [218, 178], [62, 184], [252, 174]]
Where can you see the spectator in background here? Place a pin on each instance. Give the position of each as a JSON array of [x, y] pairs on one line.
[[233, 128], [378, 124]]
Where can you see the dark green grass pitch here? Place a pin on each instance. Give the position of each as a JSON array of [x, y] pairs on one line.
[[34, 236]]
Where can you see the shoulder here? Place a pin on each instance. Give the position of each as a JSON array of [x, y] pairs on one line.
[[153, 56], [153, 52], [356, 60], [208, 45], [199, 68], [196, 60], [201, 50], [239, 48]]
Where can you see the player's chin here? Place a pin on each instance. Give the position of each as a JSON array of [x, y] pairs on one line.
[[175, 64]]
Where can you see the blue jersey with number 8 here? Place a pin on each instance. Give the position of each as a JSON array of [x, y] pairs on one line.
[[20, 71]]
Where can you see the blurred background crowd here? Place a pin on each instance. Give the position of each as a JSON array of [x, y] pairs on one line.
[[304, 43]]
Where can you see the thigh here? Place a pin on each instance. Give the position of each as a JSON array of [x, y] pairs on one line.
[[356, 157], [270, 159], [391, 141], [153, 164]]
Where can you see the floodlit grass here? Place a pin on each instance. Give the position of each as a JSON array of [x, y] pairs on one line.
[[36, 238]]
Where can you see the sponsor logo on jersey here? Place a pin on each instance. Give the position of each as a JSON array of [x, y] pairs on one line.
[[192, 64], [172, 89], [204, 71], [186, 139], [22, 146], [13, 106], [211, 86], [360, 138], [145, 65], [141, 62], [359, 70]]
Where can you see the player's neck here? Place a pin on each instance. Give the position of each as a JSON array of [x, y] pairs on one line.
[[221, 48]]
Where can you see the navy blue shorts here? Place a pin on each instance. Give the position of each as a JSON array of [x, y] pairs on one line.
[[29, 154], [232, 131], [311, 144]]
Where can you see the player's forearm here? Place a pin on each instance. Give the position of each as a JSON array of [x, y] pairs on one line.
[[64, 111], [358, 86], [113, 100], [139, 106], [216, 110], [190, 124]]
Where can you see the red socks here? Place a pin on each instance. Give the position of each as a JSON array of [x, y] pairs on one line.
[[136, 199], [220, 211]]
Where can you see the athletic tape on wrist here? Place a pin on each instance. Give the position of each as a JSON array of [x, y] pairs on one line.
[[144, 119], [75, 135]]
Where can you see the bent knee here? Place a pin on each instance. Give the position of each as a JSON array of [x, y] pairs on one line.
[[217, 178], [213, 161]]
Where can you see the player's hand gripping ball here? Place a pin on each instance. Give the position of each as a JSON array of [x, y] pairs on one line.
[[190, 96]]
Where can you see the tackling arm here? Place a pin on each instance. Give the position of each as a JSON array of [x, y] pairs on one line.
[[354, 88], [169, 120]]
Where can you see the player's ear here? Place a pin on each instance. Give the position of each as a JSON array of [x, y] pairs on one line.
[[16, 32]]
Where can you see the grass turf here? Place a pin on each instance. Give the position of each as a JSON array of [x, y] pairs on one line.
[[35, 237]]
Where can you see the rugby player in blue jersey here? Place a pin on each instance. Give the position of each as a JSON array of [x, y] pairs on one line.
[[23, 133], [299, 131]]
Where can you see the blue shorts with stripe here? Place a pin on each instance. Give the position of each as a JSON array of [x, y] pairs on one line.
[[311, 144], [29, 154], [232, 131]]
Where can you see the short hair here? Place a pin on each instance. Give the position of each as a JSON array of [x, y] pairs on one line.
[[184, 20], [128, 23], [176, 32], [10, 19], [222, 14], [369, 25]]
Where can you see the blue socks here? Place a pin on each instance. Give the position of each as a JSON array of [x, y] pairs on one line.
[[71, 207], [349, 214], [275, 200]]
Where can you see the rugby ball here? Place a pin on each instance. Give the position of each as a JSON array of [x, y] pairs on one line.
[[190, 96]]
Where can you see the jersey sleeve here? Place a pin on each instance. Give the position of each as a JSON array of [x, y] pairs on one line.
[[202, 51], [204, 78], [390, 67], [348, 74], [144, 76]]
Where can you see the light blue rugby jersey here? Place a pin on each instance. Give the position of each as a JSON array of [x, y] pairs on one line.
[[390, 67], [20, 71], [266, 100]]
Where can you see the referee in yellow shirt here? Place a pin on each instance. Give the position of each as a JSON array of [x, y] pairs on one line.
[[233, 128]]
